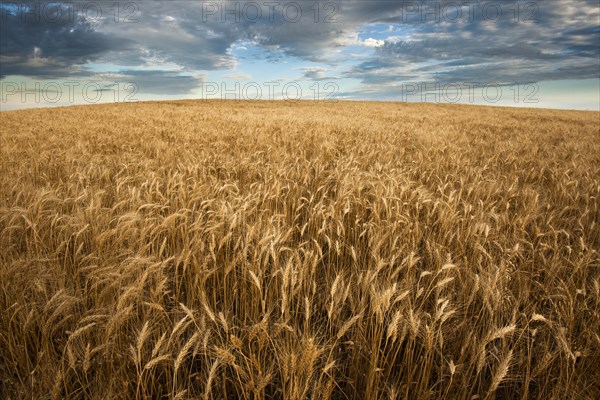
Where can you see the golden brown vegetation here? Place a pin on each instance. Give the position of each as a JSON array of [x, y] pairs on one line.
[[214, 250]]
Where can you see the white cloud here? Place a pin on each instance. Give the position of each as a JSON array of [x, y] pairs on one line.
[[370, 42]]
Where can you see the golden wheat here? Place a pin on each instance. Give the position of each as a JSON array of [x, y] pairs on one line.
[[260, 250]]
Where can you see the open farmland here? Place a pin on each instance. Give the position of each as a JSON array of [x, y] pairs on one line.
[[259, 250]]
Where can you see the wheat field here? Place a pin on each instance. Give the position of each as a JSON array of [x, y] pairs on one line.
[[279, 250]]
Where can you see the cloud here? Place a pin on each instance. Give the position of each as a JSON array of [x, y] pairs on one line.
[[317, 74], [155, 82], [370, 42], [562, 43], [51, 49]]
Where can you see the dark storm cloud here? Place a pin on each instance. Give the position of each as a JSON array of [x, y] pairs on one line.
[[53, 46], [561, 41]]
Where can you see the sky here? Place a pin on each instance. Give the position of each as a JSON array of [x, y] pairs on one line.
[[509, 53]]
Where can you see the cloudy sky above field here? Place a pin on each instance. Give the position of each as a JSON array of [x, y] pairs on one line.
[[524, 53]]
